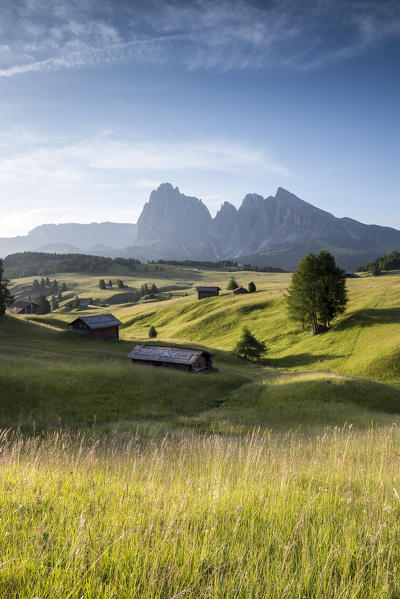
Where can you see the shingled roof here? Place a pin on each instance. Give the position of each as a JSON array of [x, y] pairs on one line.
[[208, 288], [98, 321], [21, 305], [170, 355]]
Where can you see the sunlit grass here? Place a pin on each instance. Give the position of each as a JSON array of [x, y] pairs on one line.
[[265, 516]]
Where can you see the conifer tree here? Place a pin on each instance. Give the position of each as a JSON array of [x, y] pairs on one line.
[[54, 303], [317, 293], [249, 347], [64, 287], [233, 284], [252, 287], [6, 299], [152, 332], [35, 286], [376, 269], [43, 287], [59, 296], [47, 282], [102, 284], [145, 289], [110, 283], [44, 304], [153, 289]]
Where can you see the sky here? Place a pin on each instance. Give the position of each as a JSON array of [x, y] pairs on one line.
[[103, 100]]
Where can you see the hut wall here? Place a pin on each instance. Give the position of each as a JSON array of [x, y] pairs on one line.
[[107, 333], [204, 294]]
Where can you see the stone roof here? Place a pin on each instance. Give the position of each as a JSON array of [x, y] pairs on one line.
[[98, 321], [170, 355]]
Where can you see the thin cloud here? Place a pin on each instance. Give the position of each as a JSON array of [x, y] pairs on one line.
[[104, 154], [46, 35]]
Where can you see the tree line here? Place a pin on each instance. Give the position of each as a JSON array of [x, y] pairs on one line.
[[388, 262], [217, 264], [26, 264]]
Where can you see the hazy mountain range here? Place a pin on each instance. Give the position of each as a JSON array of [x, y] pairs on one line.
[[276, 230]]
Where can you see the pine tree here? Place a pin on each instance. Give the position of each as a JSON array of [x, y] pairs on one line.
[[110, 283], [77, 302], [252, 287], [153, 289], [317, 293], [102, 284], [59, 296], [43, 287], [152, 332], [64, 287], [233, 284], [249, 347], [144, 289], [35, 286], [44, 304], [120, 284], [6, 299], [376, 269], [54, 303], [47, 282]]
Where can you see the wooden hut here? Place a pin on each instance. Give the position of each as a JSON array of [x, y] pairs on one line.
[[240, 290], [20, 307], [191, 360], [352, 275], [101, 326], [204, 292]]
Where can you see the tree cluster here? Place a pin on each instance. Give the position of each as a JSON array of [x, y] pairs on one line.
[[388, 262], [6, 299], [47, 287], [317, 293], [25, 264]]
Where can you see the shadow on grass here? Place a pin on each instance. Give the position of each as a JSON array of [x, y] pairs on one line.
[[369, 317], [301, 360]]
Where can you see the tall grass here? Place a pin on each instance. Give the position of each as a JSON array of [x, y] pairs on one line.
[[264, 516]]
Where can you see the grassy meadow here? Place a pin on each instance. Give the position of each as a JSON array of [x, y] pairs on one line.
[[256, 480]]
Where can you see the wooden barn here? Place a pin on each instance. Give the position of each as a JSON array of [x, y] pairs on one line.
[[20, 307], [191, 360], [240, 290], [352, 275], [101, 326], [204, 292]]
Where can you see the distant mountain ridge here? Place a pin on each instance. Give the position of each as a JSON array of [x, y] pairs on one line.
[[275, 230]]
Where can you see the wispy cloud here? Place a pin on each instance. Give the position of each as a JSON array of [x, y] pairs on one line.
[[37, 35], [73, 162]]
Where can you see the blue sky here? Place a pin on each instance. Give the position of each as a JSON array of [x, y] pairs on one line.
[[102, 100]]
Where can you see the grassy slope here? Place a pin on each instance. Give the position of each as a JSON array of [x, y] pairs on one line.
[[364, 341]]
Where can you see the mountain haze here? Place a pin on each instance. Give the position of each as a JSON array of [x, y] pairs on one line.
[[275, 230]]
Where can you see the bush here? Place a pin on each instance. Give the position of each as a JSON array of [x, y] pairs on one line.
[[249, 347], [252, 287], [152, 332]]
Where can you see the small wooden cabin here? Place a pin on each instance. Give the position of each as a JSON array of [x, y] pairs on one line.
[[240, 290], [101, 326], [20, 307], [352, 275], [191, 360], [204, 292]]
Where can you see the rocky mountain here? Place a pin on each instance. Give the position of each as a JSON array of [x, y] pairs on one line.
[[93, 238], [277, 231], [266, 231]]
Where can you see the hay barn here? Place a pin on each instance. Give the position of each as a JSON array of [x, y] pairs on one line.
[[240, 290], [204, 292], [101, 326], [191, 360], [20, 307]]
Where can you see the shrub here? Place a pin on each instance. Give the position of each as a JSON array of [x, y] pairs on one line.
[[152, 332], [252, 287], [249, 347]]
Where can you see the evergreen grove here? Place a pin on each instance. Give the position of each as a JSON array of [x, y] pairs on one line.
[[317, 293]]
